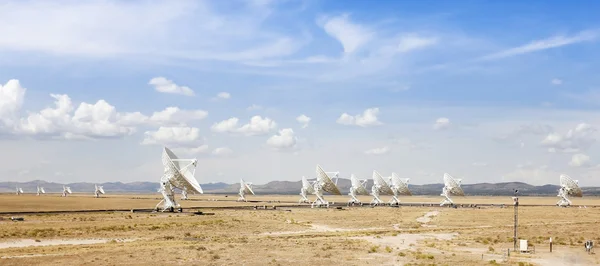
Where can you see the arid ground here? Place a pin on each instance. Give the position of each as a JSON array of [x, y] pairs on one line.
[[291, 235]]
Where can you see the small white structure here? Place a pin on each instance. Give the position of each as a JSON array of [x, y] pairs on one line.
[[19, 191], [66, 191], [184, 195], [380, 187], [399, 187], [98, 190], [523, 247], [568, 187], [245, 187], [358, 187], [40, 190], [324, 184], [307, 187], [451, 187], [178, 173]]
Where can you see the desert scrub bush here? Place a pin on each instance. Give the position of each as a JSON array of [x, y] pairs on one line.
[[424, 256], [373, 249], [388, 249], [493, 262], [401, 254], [491, 249]]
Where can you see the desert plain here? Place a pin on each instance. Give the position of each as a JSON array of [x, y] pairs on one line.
[[237, 233]]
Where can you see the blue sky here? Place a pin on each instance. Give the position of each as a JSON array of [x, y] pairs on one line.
[[488, 91]]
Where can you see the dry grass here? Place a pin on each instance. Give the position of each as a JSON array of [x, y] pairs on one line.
[[351, 236]]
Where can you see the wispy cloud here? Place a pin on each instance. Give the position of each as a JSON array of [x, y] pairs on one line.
[[539, 45]]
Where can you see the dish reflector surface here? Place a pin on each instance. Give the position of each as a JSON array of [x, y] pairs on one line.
[[306, 185], [360, 189], [180, 173], [401, 185], [453, 185], [246, 186], [383, 186], [326, 182], [571, 186]]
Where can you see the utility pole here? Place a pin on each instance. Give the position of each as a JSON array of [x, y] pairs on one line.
[[516, 204]]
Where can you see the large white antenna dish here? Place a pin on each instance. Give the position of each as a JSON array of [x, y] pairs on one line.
[[399, 187], [40, 190], [98, 190], [245, 187], [380, 187], [451, 187], [66, 190], [184, 195], [19, 191], [358, 187], [568, 187], [178, 173], [307, 187], [324, 184]]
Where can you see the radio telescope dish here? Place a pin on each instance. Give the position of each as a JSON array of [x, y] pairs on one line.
[[568, 187], [98, 190], [19, 191], [451, 188], [40, 190], [178, 173], [399, 187], [307, 187], [184, 194], [66, 190], [245, 187], [358, 187], [380, 187], [324, 184]]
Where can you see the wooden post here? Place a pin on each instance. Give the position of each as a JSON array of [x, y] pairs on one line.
[[551, 245]]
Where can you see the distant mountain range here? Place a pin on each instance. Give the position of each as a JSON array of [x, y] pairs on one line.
[[289, 187]]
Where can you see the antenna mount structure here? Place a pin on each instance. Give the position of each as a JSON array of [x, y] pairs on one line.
[[40, 190], [324, 184], [568, 187], [184, 195], [66, 191], [380, 187], [98, 190], [245, 187], [178, 173], [19, 190], [451, 187], [307, 188], [358, 187]]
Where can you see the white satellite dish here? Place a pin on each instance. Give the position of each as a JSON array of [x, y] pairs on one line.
[[380, 187], [66, 190], [451, 188], [98, 190], [358, 187], [245, 187], [324, 184], [19, 191], [568, 187], [178, 173], [184, 195], [399, 187], [307, 187], [40, 190]]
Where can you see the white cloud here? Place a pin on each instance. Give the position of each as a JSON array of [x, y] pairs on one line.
[[176, 116], [539, 45], [223, 95], [222, 151], [480, 164], [414, 42], [556, 82], [164, 85], [441, 123], [11, 100], [366, 119], [575, 140], [378, 151], [256, 126], [579, 160], [304, 120], [191, 150], [254, 107], [352, 36], [284, 140], [173, 136]]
